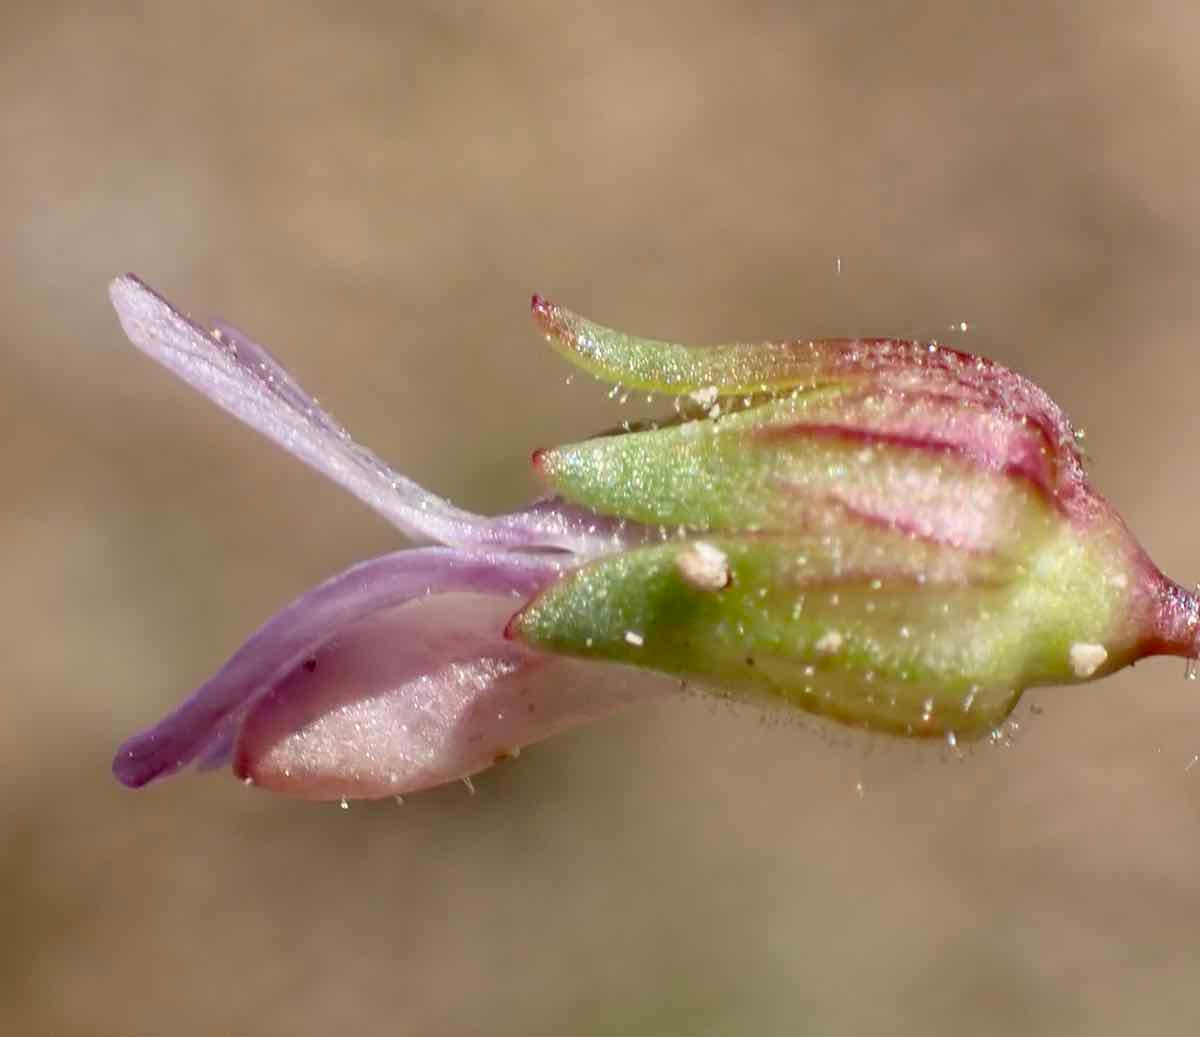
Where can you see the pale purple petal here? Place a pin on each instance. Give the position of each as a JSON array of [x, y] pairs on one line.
[[361, 719], [197, 726], [219, 750], [244, 379]]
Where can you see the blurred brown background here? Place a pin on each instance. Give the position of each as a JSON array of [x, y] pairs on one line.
[[374, 190]]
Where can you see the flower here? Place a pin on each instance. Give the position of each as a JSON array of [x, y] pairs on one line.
[[894, 534]]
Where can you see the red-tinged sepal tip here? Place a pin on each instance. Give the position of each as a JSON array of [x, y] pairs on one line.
[[555, 323], [542, 310]]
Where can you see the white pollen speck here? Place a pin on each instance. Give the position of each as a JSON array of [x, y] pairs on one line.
[[1086, 659], [634, 638], [829, 642], [706, 397], [703, 566]]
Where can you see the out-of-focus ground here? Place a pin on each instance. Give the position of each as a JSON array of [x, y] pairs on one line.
[[374, 190]]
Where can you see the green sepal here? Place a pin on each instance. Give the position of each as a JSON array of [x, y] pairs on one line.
[[650, 365], [876, 629], [735, 473], [873, 627]]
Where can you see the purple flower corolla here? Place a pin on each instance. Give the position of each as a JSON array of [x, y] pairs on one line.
[[894, 534], [394, 675]]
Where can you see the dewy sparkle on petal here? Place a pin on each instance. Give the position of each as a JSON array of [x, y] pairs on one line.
[[895, 534]]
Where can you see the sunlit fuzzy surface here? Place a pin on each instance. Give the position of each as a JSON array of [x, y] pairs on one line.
[[375, 191]]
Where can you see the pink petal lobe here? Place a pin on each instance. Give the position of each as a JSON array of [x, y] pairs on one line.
[[359, 719], [202, 726]]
